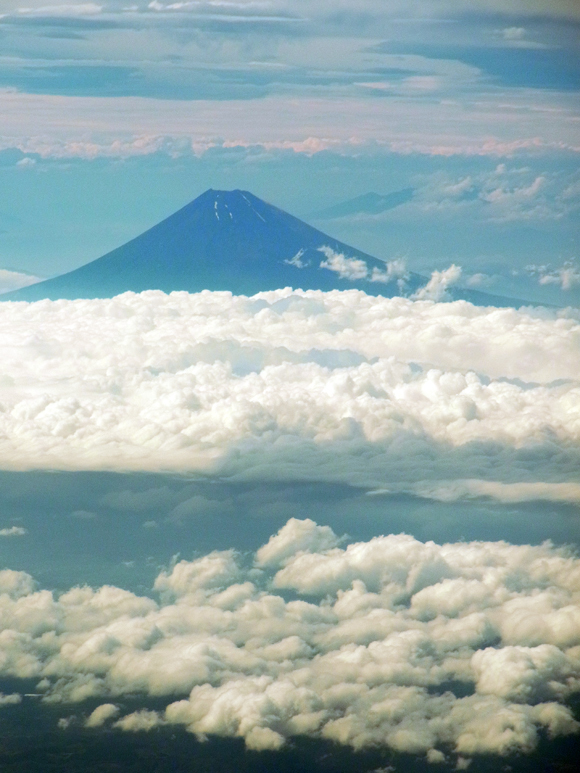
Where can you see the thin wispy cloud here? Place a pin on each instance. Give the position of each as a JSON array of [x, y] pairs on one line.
[[346, 66]]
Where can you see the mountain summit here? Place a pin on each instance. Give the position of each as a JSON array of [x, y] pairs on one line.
[[231, 240], [223, 240]]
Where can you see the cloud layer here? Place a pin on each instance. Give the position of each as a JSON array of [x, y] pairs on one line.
[[295, 385], [13, 280], [455, 649]]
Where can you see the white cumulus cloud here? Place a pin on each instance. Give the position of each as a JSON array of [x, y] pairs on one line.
[[12, 699], [12, 531], [362, 652], [339, 386], [101, 715], [566, 276], [395, 269], [346, 268], [436, 287]]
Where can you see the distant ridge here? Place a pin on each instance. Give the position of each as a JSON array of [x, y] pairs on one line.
[[367, 204], [232, 240]]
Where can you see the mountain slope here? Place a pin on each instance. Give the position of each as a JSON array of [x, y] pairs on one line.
[[367, 204], [232, 240]]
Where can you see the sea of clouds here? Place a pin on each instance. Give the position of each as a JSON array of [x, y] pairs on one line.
[[443, 400], [445, 650]]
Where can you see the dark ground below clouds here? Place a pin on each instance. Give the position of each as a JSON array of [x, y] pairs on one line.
[[31, 742], [111, 528], [89, 528]]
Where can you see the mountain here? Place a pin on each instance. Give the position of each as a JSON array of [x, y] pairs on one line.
[[223, 240], [367, 204], [232, 240]]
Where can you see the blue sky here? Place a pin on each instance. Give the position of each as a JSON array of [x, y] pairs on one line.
[[114, 114]]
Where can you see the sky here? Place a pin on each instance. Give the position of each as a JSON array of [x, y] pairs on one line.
[[302, 530], [115, 114]]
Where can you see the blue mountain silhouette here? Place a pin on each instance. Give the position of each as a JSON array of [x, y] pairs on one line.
[[367, 204], [231, 240]]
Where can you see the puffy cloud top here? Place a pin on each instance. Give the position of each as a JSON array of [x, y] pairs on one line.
[[363, 653], [296, 535], [333, 386]]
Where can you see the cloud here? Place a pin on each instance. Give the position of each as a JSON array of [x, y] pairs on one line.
[[452, 491], [510, 193], [13, 280], [134, 125], [523, 193], [323, 8], [297, 260], [12, 699], [337, 387], [513, 33], [346, 268], [180, 144], [15, 584], [480, 280], [13, 531], [566, 276], [436, 287], [83, 515], [355, 268], [296, 535], [396, 269], [362, 651], [139, 721], [69, 9], [101, 715]]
